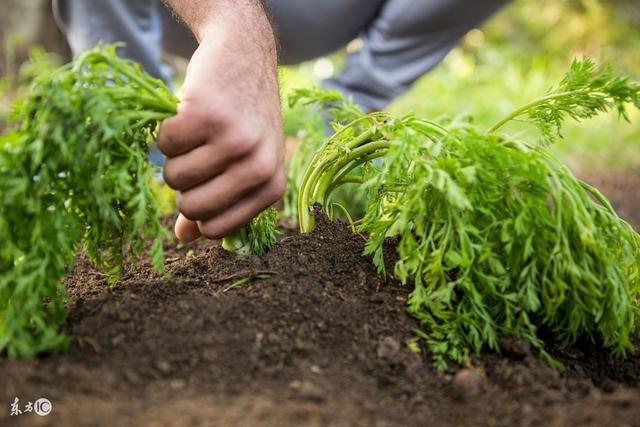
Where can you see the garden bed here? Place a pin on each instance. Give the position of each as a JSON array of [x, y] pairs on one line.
[[315, 337]]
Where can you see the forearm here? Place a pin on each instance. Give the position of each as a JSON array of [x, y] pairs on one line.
[[240, 29], [202, 16]]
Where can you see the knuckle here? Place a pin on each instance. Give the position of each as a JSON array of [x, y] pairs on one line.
[[274, 191], [214, 115], [172, 175], [188, 208], [213, 121], [243, 144], [210, 231], [263, 170], [197, 111], [163, 141], [278, 189]]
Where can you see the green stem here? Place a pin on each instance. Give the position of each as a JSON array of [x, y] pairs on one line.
[[524, 108], [170, 104], [323, 175], [144, 101], [167, 103], [148, 115], [442, 131], [345, 212], [350, 179], [237, 242], [318, 164], [326, 172], [342, 178], [598, 196], [354, 159]]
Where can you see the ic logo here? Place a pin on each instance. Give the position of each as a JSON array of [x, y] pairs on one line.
[[42, 407]]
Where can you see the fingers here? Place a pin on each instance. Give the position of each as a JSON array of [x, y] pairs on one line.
[[193, 168], [242, 212], [190, 128], [186, 231], [205, 161], [221, 192], [224, 182], [231, 220]]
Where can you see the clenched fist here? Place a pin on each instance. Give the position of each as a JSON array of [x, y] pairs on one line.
[[224, 148]]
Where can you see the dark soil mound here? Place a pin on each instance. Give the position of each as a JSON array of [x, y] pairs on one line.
[[308, 335], [623, 190]]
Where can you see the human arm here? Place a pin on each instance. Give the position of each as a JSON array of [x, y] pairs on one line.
[[224, 147]]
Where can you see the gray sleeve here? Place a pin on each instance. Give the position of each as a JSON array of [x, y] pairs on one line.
[[136, 22], [407, 39]]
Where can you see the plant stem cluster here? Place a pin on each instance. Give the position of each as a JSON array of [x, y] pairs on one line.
[[497, 237]]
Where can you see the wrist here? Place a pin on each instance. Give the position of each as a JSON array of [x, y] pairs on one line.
[[247, 18], [240, 32]]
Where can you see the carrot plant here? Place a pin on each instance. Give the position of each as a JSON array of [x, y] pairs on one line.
[[74, 174], [497, 237], [258, 237], [310, 135]]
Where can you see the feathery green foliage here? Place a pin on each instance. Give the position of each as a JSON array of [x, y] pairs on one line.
[[498, 237], [73, 171], [585, 92], [257, 237]]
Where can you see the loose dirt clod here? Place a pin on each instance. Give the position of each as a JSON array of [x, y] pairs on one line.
[[515, 347]]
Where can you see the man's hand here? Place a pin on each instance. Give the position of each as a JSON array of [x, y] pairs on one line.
[[224, 147]]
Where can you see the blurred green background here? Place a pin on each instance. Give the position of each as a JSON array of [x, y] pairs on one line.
[[515, 57]]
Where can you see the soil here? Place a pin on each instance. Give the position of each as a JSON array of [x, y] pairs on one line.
[[312, 337]]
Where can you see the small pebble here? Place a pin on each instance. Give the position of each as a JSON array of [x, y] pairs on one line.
[[377, 297], [388, 348], [124, 316], [467, 384], [118, 339], [163, 366], [307, 390], [176, 384], [131, 376], [209, 356]]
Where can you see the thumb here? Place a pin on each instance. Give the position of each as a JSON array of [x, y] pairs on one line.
[[186, 230]]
